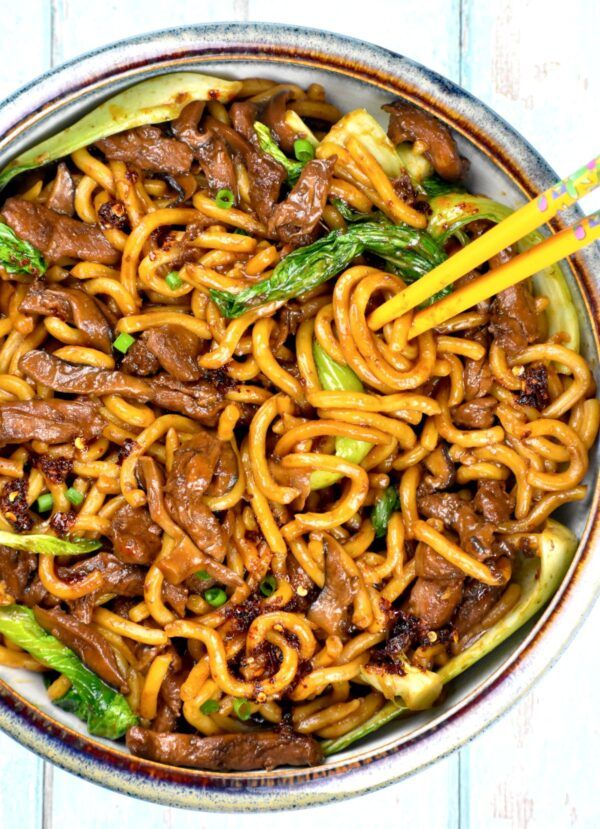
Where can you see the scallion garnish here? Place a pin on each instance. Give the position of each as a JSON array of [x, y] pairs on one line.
[[224, 199], [215, 596], [268, 586], [303, 150], [74, 496], [173, 280], [123, 342], [44, 502]]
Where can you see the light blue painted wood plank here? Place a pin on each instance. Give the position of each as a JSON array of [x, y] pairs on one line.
[[25, 44], [21, 791], [424, 30], [387, 809], [25, 54], [538, 65], [538, 766], [80, 26]]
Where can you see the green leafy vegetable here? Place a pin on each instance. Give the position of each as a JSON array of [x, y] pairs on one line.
[[267, 144], [454, 211], [416, 165], [385, 505], [150, 102], [434, 185], [48, 544], [19, 256], [335, 377], [106, 712], [351, 216], [538, 580], [360, 124], [412, 253]]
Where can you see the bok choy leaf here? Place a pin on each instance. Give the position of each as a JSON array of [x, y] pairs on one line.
[[106, 712], [149, 102]]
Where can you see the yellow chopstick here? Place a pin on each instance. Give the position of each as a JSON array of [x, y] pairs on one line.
[[540, 256], [523, 221]]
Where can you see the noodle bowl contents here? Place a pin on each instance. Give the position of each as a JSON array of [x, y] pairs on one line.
[[239, 529]]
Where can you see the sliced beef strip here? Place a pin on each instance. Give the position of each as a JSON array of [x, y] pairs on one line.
[[193, 467], [433, 601], [136, 538], [476, 536], [478, 599], [149, 149], [118, 578], [226, 472], [176, 349], [19, 572], [243, 114], [266, 175], [227, 752], [442, 471], [72, 305], [475, 414], [61, 197], [139, 360], [411, 123], [91, 647], [295, 220], [431, 565], [208, 147], [51, 421], [477, 375], [331, 609], [274, 118], [57, 236], [169, 703], [200, 401], [513, 323], [493, 501]]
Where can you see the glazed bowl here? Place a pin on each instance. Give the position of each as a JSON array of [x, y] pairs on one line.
[[504, 166]]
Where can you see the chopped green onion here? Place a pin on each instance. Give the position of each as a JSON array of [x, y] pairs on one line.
[[268, 586], [203, 574], [123, 342], [211, 706], [74, 496], [224, 199], [239, 231], [303, 150], [44, 502], [216, 596], [242, 708], [173, 280]]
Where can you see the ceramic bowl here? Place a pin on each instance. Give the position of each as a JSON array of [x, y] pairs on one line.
[[504, 166]]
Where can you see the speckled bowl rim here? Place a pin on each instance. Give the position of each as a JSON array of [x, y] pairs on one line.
[[371, 768]]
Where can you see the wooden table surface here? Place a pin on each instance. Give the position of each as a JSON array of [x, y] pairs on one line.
[[538, 64]]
